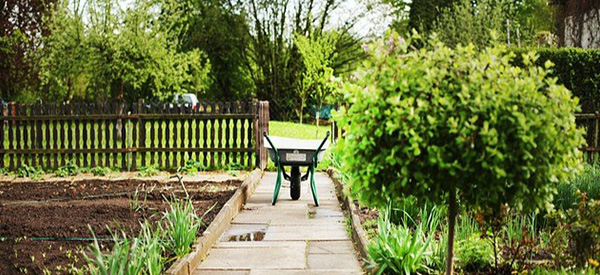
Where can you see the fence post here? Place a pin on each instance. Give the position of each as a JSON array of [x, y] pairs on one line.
[[263, 126]]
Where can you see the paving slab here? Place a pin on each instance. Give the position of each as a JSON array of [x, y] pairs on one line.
[[295, 237]]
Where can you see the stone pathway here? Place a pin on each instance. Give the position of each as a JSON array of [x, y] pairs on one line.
[[292, 237]]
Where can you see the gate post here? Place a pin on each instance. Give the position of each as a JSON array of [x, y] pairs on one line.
[[263, 126]]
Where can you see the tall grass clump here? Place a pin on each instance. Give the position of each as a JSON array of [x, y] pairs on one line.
[[587, 182], [407, 247], [141, 255], [181, 227]]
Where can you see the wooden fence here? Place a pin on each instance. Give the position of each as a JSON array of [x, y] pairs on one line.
[[129, 136], [591, 124]]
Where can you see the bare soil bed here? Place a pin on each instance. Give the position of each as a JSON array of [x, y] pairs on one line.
[[46, 225]]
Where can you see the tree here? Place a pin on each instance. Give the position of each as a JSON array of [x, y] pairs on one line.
[[317, 55], [22, 24], [218, 28], [424, 13], [118, 54], [468, 22], [457, 126], [275, 64]]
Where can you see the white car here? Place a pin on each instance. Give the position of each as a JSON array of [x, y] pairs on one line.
[[187, 99]]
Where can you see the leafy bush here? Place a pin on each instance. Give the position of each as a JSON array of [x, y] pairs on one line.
[[4, 172], [70, 169], [149, 171], [34, 173], [456, 125], [475, 254], [577, 69]]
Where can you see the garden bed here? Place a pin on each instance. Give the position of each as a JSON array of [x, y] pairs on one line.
[[46, 225]]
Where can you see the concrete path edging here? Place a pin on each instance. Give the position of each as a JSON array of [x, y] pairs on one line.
[[187, 264], [359, 236]]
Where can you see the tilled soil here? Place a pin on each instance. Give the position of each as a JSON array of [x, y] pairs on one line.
[[36, 218]]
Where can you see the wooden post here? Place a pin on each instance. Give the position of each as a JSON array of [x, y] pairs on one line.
[[262, 126]]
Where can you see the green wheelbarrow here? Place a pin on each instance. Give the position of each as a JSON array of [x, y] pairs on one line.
[[296, 153]]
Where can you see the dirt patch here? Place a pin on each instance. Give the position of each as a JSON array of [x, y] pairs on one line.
[[47, 225]]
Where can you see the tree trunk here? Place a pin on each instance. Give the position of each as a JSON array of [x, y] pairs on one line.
[[451, 224]]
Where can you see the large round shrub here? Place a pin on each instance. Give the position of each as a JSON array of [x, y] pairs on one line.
[[456, 125]]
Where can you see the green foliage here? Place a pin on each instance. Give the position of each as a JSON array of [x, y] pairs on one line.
[[181, 227], [576, 239], [192, 167], [587, 182], [149, 171], [424, 13], [398, 249], [141, 255], [426, 122], [70, 169], [116, 54], [100, 171], [577, 69], [317, 52], [34, 173], [475, 254], [466, 22], [4, 172]]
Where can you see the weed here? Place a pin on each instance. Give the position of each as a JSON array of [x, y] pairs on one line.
[[135, 204], [192, 167], [100, 171], [70, 169], [149, 171], [34, 173]]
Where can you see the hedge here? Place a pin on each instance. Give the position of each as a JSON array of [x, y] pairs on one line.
[[577, 69]]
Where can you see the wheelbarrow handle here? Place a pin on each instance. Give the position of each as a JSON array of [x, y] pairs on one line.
[[272, 146], [316, 156]]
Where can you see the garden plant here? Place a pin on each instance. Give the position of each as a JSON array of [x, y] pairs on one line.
[[456, 126]]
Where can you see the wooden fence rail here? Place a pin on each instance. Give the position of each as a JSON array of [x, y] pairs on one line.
[[129, 136]]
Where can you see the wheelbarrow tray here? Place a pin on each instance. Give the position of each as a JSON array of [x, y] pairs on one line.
[[293, 151]]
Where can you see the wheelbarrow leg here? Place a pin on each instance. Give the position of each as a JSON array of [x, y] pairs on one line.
[[277, 185], [313, 187]]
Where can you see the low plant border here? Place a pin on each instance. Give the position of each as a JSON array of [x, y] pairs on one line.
[[359, 236], [187, 264]]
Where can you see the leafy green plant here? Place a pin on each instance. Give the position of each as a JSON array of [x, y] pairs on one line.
[[4, 172], [587, 182], [100, 171], [396, 249], [34, 173], [70, 169], [141, 255], [576, 239], [192, 167], [135, 203], [149, 171], [475, 254], [181, 227], [454, 126]]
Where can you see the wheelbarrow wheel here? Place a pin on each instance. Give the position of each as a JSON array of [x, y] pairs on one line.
[[295, 183]]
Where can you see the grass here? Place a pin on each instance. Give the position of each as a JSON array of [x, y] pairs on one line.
[[297, 130]]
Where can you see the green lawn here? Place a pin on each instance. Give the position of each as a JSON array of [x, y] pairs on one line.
[[297, 130]]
